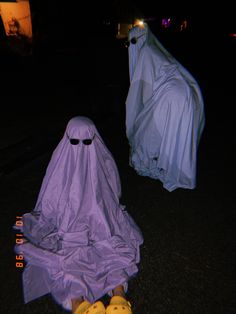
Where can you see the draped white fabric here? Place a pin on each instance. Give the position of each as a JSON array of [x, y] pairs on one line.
[[164, 113]]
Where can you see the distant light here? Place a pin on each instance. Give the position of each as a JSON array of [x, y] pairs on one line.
[[166, 22], [139, 23], [16, 18], [122, 30], [233, 35], [183, 25]]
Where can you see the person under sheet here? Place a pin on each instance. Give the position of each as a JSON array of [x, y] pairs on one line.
[[164, 113], [81, 243]]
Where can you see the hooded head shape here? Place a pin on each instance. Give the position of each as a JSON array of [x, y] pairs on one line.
[[136, 38]]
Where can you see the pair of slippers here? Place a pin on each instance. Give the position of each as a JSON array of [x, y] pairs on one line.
[[118, 305]]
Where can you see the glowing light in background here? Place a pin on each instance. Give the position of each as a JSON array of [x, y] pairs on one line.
[[139, 23], [16, 18], [122, 30], [183, 25], [166, 22]]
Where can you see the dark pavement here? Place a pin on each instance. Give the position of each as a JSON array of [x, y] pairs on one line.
[[188, 259]]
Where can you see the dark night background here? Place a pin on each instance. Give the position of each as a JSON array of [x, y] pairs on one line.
[[76, 66]]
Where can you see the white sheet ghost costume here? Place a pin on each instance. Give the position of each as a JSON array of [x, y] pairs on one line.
[[164, 113]]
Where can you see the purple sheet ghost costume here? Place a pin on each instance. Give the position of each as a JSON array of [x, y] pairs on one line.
[[164, 113], [82, 241]]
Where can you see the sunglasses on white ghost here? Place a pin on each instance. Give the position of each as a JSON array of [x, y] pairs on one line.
[[133, 40], [75, 141]]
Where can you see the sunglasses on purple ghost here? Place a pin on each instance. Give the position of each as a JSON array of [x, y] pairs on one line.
[[75, 141]]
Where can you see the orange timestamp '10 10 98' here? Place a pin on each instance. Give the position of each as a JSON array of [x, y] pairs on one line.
[[19, 240]]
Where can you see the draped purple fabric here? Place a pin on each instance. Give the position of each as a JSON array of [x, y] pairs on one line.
[[82, 241]]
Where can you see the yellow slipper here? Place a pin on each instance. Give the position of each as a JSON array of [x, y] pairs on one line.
[[95, 308], [82, 307], [118, 305]]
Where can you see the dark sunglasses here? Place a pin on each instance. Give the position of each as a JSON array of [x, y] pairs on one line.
[[75, 141], [133, 41]]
